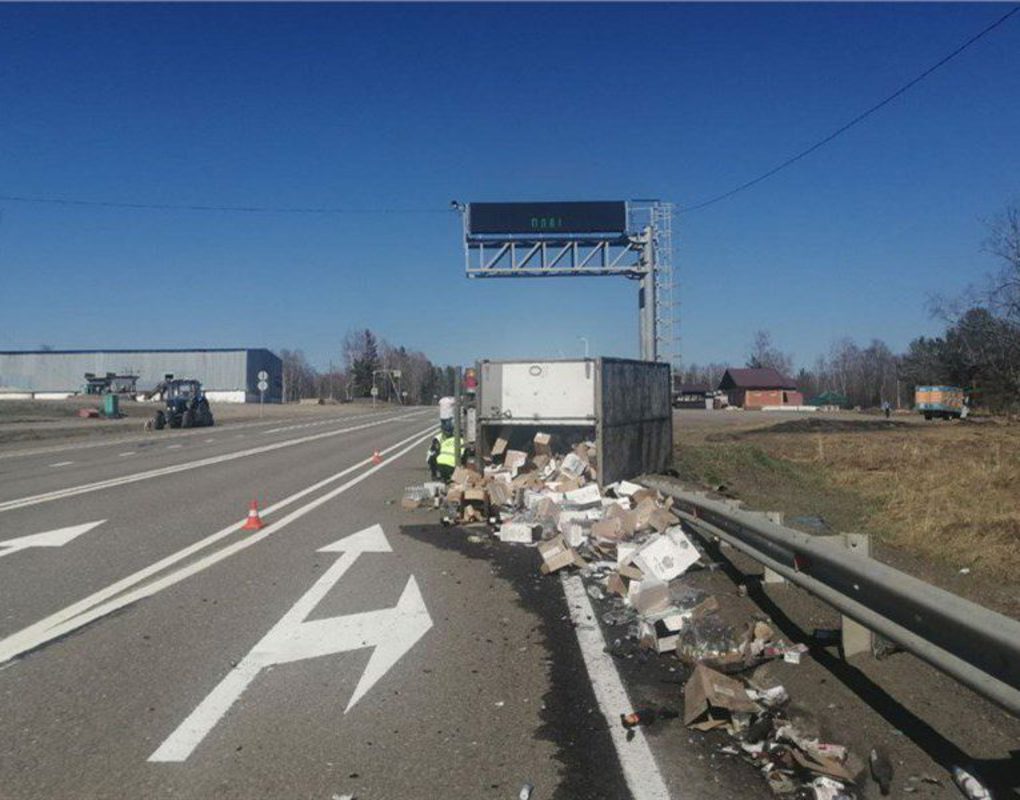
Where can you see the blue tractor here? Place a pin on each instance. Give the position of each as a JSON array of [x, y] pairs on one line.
[[186, 405]]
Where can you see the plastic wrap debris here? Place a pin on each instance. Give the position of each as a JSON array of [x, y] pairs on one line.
[[828, 789], [770, 698], [710, 641]]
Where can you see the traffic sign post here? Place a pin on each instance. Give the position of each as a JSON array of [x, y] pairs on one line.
[[375, 394], [263, 384]]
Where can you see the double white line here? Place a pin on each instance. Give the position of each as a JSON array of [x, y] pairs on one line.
[[60, 494], [127, 590]]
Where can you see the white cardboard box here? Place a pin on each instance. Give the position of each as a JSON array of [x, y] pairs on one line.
[[666, 557]]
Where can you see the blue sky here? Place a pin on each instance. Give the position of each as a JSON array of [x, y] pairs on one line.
[[410, 106]]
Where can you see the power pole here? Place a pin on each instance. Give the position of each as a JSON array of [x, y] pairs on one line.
[[646, 297]]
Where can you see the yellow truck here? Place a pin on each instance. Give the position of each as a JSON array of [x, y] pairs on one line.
[[941, 402]]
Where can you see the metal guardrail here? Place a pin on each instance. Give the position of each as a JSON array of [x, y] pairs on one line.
[[978, 647]]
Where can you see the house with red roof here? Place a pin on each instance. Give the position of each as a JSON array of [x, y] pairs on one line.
[[756, 388]]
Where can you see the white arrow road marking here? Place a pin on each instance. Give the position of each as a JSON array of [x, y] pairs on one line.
[[54, 538], [133, 588], [391, 632]]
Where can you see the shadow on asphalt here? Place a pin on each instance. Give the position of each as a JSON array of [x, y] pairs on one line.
[[590, 767]]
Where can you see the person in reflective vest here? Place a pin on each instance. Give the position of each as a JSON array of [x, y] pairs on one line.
[[443, 458]]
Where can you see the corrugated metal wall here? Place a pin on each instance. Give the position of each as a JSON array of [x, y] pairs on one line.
[[218, 370]]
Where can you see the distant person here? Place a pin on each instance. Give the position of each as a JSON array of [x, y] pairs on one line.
[[886, 408], [446, 405]]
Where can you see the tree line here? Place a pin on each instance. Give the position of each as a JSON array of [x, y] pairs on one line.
[[366, 360], [978, 350]]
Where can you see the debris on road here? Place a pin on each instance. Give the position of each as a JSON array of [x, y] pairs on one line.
[[637, 559], [971, 787], [881, 770]]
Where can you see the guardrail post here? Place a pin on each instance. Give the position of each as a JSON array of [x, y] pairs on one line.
[[857, 638], [771, 576]]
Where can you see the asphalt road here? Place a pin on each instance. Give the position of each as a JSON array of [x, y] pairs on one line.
[[150, 648]]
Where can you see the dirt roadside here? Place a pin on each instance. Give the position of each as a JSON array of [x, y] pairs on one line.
[[939, 499]]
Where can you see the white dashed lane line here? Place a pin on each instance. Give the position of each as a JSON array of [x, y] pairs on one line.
[[62, 464], [174, 446], [128, 453]]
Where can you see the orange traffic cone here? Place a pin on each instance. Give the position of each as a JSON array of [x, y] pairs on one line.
[[254, 521], [376, 458]]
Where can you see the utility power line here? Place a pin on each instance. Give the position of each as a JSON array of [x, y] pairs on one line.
[[70, 201], [856, 120]]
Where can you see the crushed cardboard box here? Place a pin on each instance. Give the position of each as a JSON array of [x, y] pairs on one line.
[[710, 698]]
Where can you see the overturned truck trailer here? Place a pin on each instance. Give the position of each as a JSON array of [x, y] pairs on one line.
[[621, 404]]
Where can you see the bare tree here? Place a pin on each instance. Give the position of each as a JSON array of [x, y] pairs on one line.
[[765, 354], [1003, 242]]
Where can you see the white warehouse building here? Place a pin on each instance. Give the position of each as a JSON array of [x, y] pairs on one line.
[[227, 375]]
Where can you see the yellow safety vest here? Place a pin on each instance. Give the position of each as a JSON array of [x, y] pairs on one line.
[[447, 455]]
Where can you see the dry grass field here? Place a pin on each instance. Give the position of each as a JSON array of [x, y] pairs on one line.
[[947, 492]]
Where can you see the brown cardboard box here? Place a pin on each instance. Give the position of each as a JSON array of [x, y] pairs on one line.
[[476, 495], [557, 554], [710, 697], [608, 530], [499, 493], [410, 503], [643, 512], [823, 766], [628, 519], [499, 447], [466, 476], [651, 597], [454, 495], [515, 459], [660, 519], [617, 584], [541, 444]]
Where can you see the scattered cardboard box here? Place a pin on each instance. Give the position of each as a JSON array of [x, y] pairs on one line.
[[515, 459], [666, 557], [557, 554], [585, 496], [516, 532], [711, 697]]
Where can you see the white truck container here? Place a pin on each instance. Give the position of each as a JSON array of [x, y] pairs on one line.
[[624, 406]]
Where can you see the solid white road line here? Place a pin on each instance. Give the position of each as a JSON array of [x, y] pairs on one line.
[[639, 768], [62, 464], [113, 441], [60, 494], [128, 453], [93, 607]]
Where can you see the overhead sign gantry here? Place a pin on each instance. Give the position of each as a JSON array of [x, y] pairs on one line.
[[582, 239]]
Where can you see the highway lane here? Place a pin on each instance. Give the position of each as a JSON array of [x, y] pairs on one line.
[[149, 520], [452, 708], [39, 473]]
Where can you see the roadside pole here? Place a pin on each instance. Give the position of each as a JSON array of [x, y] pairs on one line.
[[457, 405], [262, 385]]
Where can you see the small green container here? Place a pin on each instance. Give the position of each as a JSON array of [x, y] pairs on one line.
[[111, 405]]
